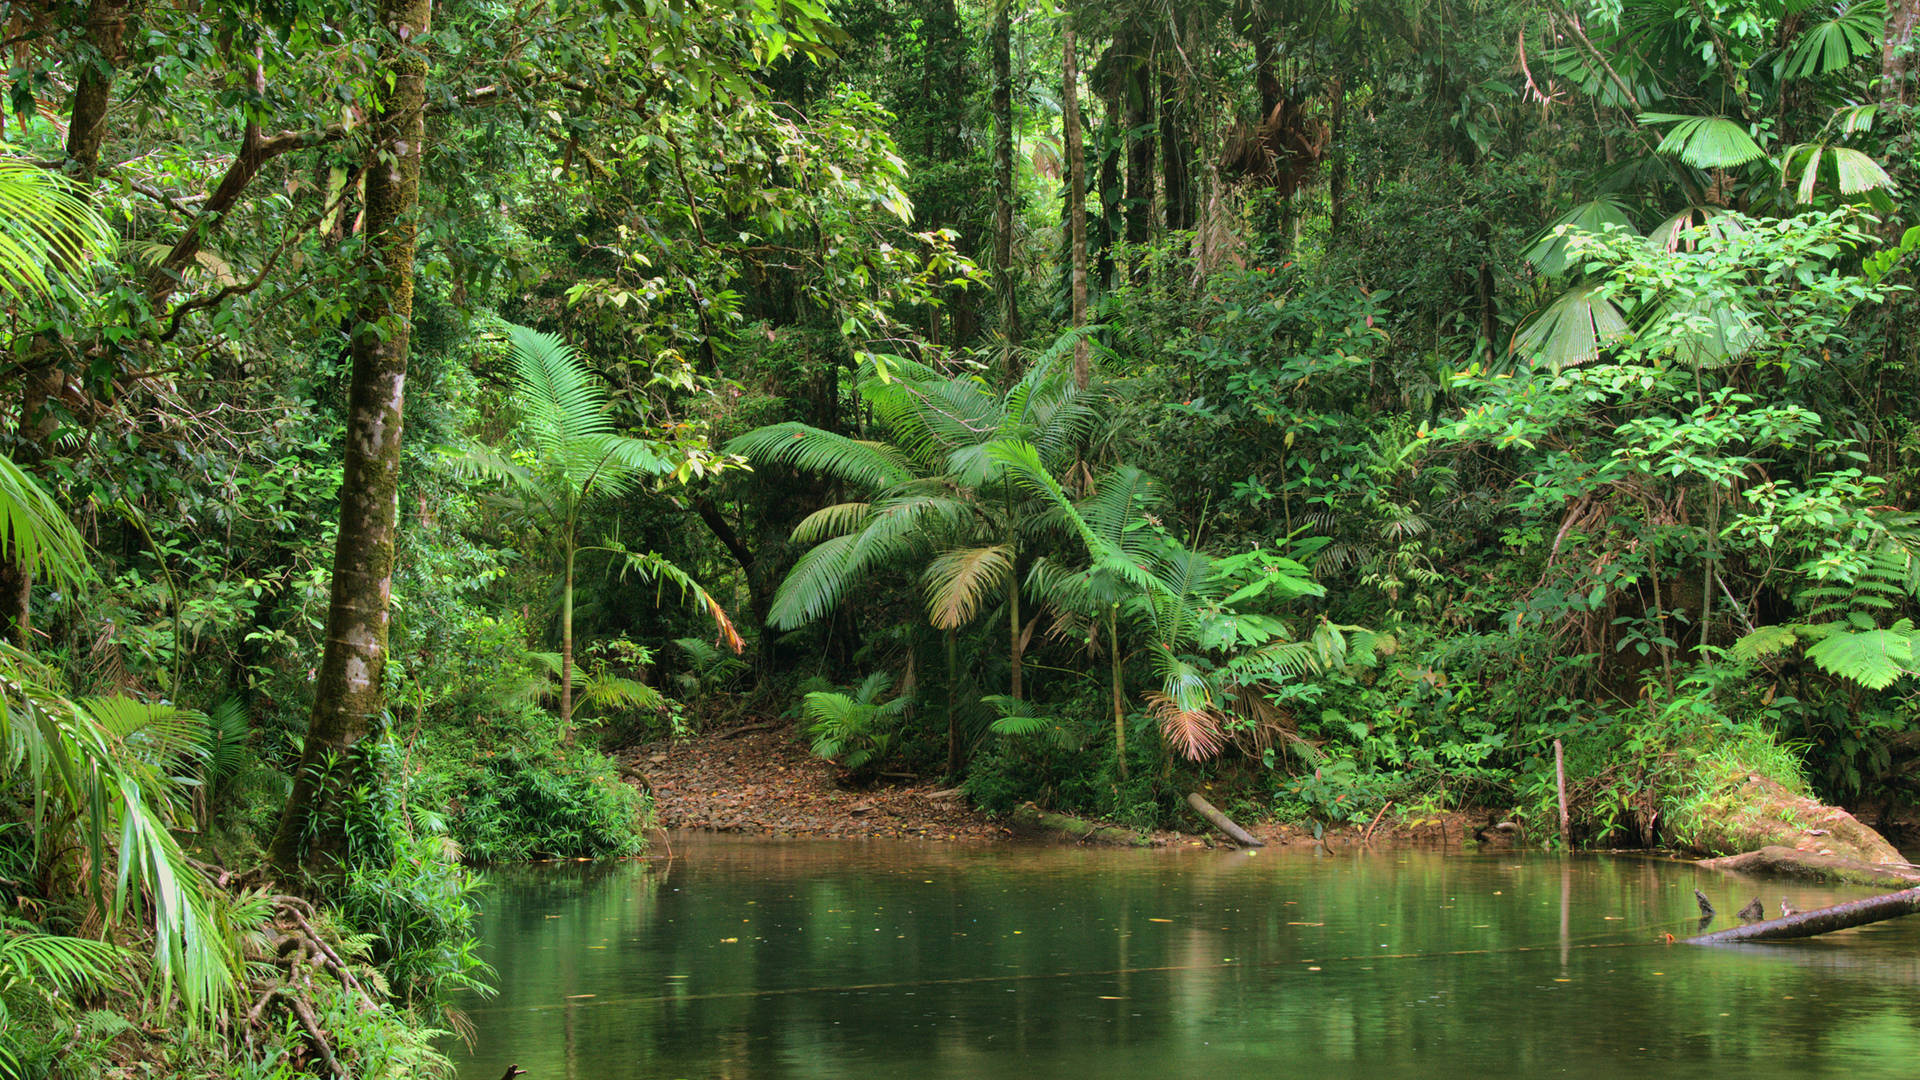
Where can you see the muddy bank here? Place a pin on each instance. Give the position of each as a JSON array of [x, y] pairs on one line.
[[765, 782], [762, 781]]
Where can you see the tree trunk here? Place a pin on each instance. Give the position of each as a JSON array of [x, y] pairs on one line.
[[1029, 818], [954, 755], [348, 694], [103, 50], [1013, 632], [1824, 921], [1119, 690], [1218, 820], [1337, 168], [93, 89], [1076, 195], [1175, 157], [1898, 61], [1266, 76], [1001, 45], [1108, 188], [566, 644], [1139, 124]]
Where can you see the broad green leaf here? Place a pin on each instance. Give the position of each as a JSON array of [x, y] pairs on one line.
[[1572, 330], [1705, 142]]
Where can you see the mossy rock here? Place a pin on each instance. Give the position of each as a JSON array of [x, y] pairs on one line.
[[1785, 862], [1031, 820], [1758, 812]]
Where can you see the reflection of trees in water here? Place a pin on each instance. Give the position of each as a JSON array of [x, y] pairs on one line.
[[815, 921]]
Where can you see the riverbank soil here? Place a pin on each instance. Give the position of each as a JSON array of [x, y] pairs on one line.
[[765, 782], [762, 781]]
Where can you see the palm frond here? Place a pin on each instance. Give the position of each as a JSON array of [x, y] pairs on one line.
[[71, 965], [101, 761], [48, 236], [1117, 502], [602, 691], [839, 519], [652, 566], [34, 531], [873, 466], [1573, 330], [961, 580], [1705, 142], [1195, 733], [562, 402]]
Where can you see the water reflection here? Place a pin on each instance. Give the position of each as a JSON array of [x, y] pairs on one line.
[[803, 959]]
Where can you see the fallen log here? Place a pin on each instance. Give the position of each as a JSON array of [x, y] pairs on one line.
[[1821, 921], [1222, 822], [1030, 818]]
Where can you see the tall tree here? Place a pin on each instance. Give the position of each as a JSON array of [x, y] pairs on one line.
[[1176, 154], [1138, 121], [1076, 191], [1898, 61], [1001, 45], [347, 695]]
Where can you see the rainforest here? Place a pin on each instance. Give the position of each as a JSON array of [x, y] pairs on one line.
[[442, 436]]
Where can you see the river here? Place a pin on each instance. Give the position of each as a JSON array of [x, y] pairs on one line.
[[798, 959]]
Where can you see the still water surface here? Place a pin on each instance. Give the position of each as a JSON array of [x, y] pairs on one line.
[[798, 959]]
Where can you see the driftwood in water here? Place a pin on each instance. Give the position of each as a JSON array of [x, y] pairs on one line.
[[1222, 822], [1030, 818], [1823, 921]]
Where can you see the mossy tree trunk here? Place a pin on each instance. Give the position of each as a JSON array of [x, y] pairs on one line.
[[1000, 44], [348, 693], [1898, 59], [1076, 193]]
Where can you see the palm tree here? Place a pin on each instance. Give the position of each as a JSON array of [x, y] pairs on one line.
[[1120, 504], [1182, 599], [577, 459], [934, 494]]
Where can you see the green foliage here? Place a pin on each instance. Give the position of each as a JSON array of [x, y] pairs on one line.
[[556, 804], [856, 730], [404, 886], [99, 773], [50, 234]]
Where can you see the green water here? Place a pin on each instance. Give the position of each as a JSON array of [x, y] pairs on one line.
[[803, 959]]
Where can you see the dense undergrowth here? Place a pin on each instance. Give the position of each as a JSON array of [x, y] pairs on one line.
[[1344, 409]]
